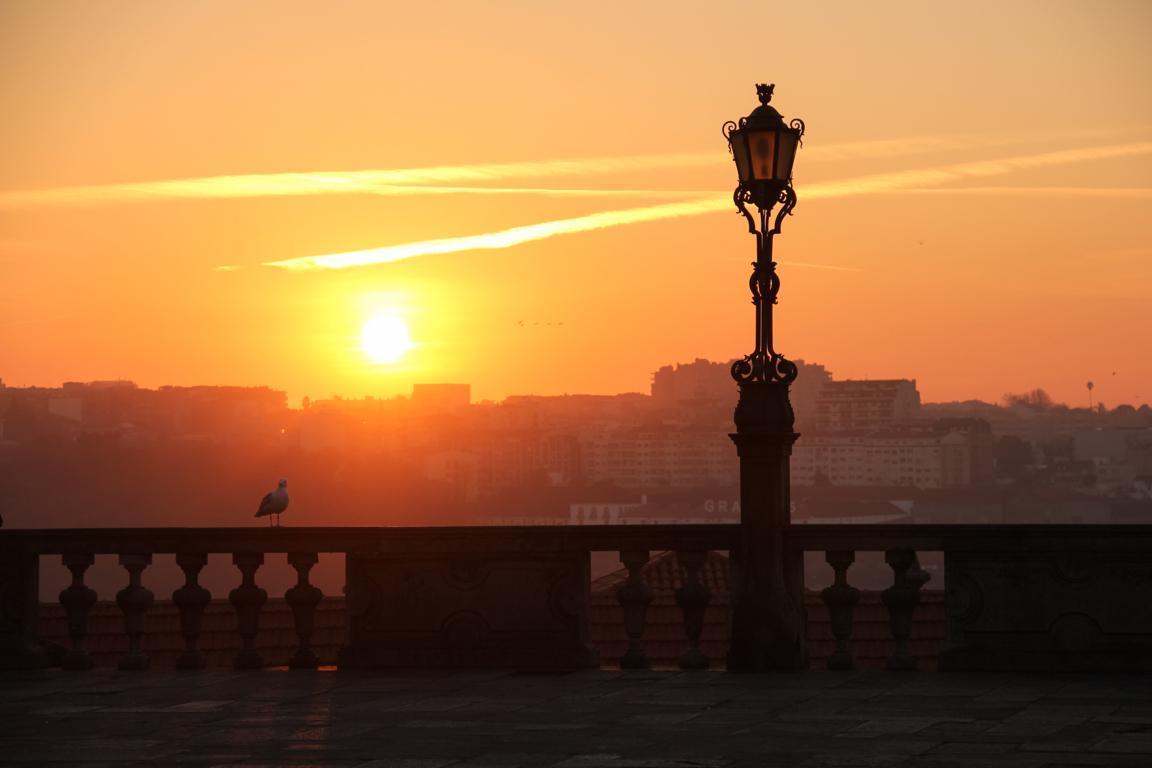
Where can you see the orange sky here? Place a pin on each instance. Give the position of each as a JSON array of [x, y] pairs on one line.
[[977, 279]]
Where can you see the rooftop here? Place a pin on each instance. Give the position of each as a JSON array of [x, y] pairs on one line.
[[586, 719]]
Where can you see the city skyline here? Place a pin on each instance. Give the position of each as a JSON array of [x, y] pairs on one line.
[[298, 400], [868, 448], [533, 219]]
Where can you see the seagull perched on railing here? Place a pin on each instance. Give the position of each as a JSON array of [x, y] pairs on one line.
[[274, 503]]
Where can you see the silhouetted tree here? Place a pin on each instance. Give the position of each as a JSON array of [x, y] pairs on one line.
[[1037, 398]]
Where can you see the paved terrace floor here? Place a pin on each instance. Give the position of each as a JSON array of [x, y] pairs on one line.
[[595, 719]]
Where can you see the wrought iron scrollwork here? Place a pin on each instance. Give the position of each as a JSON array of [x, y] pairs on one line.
[[787, 200], [764, 364], [760, 366], [735, 125], [742, 197]]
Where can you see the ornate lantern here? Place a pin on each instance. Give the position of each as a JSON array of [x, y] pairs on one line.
[[764, 149]]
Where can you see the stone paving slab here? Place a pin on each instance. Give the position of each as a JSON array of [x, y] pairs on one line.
[[593, 719]]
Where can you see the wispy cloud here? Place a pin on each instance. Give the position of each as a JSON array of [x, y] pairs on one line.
[[420, 189], [861, 185], [394, 181], [463, 179]]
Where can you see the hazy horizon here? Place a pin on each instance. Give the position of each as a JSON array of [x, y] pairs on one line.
[[294, 399]]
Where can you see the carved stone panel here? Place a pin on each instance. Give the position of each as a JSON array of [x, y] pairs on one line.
[[20, 646], [1048, 611], [520, 610]]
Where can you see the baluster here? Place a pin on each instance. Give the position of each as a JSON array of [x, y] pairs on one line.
[[304, 597], [841, 598], [634, 596], [77, 600], [191, 599], [134, 601], [247, 599], [902, 598], [693, 598]]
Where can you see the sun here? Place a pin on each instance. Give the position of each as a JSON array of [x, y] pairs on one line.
[[385, 339]]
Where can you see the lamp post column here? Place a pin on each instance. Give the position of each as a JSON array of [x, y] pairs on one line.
[[768, 622], [768, 619]]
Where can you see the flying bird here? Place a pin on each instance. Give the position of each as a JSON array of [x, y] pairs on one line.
[[274, 503]]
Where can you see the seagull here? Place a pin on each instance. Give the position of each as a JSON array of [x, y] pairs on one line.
[[274, 503]]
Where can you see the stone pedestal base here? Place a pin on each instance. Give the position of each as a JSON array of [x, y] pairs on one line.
[[768, 622]]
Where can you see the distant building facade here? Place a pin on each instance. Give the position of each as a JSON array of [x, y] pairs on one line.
[[703, 383], [1120, 457], [77, 409], [457, 470], [700, 380], [855, 404], [924, 457], [509, 460], [660, 456]]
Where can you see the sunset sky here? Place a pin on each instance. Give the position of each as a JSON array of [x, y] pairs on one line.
[[228, 192]]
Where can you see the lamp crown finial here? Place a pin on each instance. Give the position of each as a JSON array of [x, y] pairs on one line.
[[764, 92]]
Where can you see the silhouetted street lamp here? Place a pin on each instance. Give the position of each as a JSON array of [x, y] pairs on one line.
[[768, 621], [764, 148]]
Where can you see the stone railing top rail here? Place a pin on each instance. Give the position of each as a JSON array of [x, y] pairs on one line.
[[408, 540], [583, 538], [1024, 538]]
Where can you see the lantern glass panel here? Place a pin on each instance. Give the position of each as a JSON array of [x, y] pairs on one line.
[[763, 146], [788, 141], [740, 154]]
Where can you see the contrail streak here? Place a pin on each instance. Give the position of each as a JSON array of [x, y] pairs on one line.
[[887, 182], [505, 238], [879, 183], [1121, 192], [402, 180]]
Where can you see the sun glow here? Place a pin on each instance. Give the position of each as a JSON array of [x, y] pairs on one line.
[[385, 339]]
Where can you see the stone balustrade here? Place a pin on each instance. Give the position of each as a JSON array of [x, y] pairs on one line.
[[1018, 596]]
